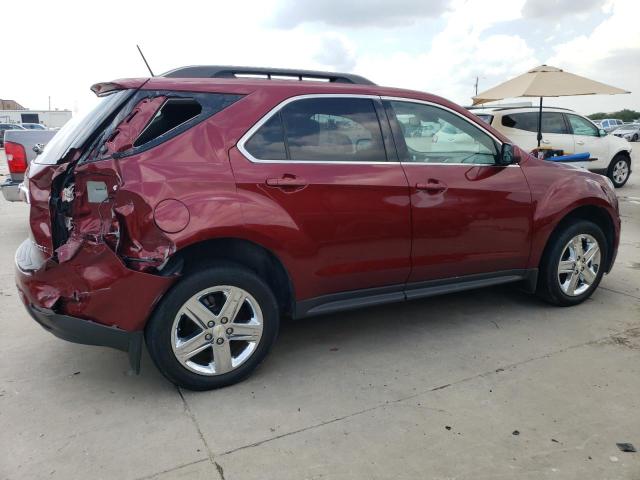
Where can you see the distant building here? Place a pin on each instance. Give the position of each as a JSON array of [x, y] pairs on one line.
[[10, 105]]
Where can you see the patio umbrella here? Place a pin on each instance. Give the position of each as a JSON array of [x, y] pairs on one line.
[[545, 81]]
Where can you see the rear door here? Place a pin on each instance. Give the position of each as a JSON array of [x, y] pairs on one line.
[[469, 215], [318, 175], [522, 128]]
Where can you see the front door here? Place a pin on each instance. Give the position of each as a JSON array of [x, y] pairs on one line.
[[586, 138], [469, 215], [327, 191]]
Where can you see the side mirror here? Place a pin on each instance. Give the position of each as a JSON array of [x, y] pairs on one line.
[[507, 155], [602, 132]]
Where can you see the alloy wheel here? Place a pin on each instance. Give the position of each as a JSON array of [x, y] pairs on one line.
[[620, 171], [579, 265], [217, 330]]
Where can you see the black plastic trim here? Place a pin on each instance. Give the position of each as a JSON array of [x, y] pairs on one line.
[[86, 332], [337, 302], [227, 71]]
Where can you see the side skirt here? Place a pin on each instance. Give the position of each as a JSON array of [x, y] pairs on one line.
[[368, 297]]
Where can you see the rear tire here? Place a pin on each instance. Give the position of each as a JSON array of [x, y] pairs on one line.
[[619, 170], [635, 137], [573, 264], [213, 328]]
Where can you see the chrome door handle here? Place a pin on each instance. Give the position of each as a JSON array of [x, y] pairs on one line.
[[580, 142], [546, 141]]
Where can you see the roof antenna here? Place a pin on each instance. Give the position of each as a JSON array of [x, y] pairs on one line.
[[145, 60]]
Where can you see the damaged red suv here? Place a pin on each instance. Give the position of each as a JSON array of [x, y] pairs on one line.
[[196, 209]]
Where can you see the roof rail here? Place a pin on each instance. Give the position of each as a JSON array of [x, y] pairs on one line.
[[534, 107], [218, 71]]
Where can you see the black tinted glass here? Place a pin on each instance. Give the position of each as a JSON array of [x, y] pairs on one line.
[[552, 122], [268, 142], [333, 129]]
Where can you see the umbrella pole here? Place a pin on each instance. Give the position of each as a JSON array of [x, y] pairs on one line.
[[540, 123]]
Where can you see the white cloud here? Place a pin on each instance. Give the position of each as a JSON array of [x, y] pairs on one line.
[[78, 45], [610, 54], [458, 54], [379, 13], [557, 8], [335, 51]]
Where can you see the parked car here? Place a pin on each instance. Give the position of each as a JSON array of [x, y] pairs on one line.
[[195, 211], [34, 126], [630, 132], [567, 131], [19, 151], [8, 126], [610, 124]]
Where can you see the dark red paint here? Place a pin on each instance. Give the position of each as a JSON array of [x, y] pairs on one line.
[[334, 227]]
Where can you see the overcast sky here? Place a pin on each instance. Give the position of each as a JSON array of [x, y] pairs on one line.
[[59, 49]]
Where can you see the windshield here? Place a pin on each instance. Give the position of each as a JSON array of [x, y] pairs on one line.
[[77, 130]]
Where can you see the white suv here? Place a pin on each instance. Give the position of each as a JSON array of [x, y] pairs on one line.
[[564, 130]]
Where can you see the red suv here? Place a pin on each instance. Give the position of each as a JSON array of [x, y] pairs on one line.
[[197, 208]]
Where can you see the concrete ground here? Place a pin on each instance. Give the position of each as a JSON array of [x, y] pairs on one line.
[[479, 385]]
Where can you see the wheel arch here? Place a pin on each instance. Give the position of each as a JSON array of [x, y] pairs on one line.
[[249, 254], [625, 152], [593, 213]]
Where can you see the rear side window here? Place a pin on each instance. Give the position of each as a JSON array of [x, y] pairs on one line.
[[321, 129], [268, 142], [174, 112], [150, 118], [552, 122]]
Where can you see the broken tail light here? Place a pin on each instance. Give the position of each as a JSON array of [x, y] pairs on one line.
[[16, 157]]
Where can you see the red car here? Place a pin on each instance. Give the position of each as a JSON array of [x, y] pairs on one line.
[[197, 208]]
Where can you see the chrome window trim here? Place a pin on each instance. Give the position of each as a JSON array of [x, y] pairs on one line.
[[266, 117], [479, 127], [245, 138]]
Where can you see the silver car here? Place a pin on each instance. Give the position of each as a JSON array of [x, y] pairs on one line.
[[629, 132]]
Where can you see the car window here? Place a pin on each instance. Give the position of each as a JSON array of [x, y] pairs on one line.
[[333, 129], [455, 141], [485, 117], [552, 122], [268, 142], [581, 126]]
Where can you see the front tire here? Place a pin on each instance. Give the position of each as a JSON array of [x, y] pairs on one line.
[[573, 264], [213, 328], [619, 170]]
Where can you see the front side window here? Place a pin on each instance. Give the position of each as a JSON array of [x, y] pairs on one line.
[[328, 129], [581, 126], [435, 135]]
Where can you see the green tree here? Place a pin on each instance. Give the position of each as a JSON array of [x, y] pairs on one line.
[[625, 115]]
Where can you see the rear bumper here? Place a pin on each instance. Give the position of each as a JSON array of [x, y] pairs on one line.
[[86, 332], [92, 298], [11, 190]]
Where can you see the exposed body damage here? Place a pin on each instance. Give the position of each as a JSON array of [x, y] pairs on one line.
[[104, 244]]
